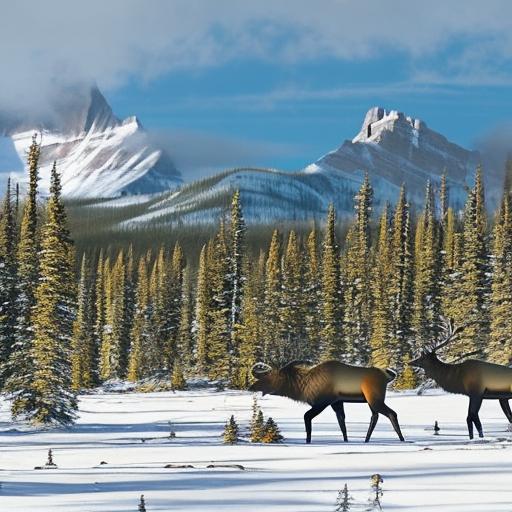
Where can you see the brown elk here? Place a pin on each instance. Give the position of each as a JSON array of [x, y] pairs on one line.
[[331, 383], [476, 379]]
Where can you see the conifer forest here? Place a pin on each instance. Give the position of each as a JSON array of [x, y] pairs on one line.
[[374, 296]]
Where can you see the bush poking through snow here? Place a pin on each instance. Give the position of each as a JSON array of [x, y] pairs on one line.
[[231, 431], [376, 493], [178, 382], [271, 432], [142, 504], [343, 502]]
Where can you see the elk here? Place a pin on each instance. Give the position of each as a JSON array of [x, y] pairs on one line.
[[330, 383], [476, 379]]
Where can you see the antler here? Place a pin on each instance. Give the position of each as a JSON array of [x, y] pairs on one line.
[[450, 331]]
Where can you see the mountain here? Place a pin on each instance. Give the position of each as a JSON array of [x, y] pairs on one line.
[[390, 146], [97, 154]]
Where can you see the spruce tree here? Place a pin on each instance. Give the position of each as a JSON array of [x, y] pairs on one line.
[[231, 431], [99, 306], [271, 432], [332, 346], [272, 301], [184, 340], [178, 381], [312, 296], [500, 343], [202, 306], [53, 317], [427, 308], [381, 340], [292, 311], [139, 336], [83, 344], [19, 369], [356, 278], [257, 426], [401, 280], [8, 283]]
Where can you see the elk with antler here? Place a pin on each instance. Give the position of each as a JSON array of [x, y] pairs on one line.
[[476, 379], [330, 383]]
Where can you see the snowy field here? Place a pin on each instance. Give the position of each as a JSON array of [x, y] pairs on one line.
[[442, 473]]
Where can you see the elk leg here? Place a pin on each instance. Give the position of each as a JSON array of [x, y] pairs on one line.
[[308, 417], [475, 402], [340, 414], [371, 427], [506, 409], [382, 408]]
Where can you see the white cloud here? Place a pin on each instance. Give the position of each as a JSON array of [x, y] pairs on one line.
[[57, 42]]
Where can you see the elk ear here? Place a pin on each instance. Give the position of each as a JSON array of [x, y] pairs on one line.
[[260, 369]]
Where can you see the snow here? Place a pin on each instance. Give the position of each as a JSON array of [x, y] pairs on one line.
[[438, 473]]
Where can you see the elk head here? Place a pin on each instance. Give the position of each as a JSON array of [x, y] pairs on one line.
[[269, 380], [428, 356]]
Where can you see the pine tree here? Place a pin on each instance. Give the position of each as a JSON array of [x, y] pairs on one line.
[[8, 283], [473, 287], [500, 344], [407, 377], [219, 312], [250, 349], [20, 369], [272, 301], [343, 502], [401, 280], [292, 311], [381, 340], [427, 308], [142, 504], [201, 324], [139, 338], [332, 346], [184, 341], [83, 344], [356, 277], [257, 426], [312, 296], [53, 316], [99, 306], [178, 381], [231, 431], [271, 433]]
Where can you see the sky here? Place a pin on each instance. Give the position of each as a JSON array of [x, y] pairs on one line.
[[272, 83]]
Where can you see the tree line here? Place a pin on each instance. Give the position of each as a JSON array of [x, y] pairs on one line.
[[374, 297]]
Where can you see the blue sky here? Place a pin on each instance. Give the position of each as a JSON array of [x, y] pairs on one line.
[[273, 83]]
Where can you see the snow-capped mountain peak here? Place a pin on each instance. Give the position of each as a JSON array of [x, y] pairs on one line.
[[97, 154]]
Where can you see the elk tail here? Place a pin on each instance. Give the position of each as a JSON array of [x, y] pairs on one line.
[[390, 374]]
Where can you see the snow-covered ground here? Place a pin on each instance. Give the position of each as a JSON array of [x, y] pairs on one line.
[[441, 473]]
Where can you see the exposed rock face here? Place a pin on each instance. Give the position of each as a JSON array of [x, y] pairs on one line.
[[396, 149], [97, 154]]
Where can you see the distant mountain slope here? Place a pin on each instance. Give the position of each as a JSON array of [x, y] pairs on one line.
[[391, 147], [97, 154]]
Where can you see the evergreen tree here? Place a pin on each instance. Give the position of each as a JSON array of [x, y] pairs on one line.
[[201, 323], [140, 331], [272, 302], [19, 370], [500, 344], [178, 381], [142, 504], [184, 343], [53, 316], [381, 340], [99, 324], [292, 311], [257, 426], [271, 433], [407, 377], [219, 312], [401, 280], [343, 502], [8, 283], [470, 304], [231, 431], [312, 297], [426, 308], [83, 344], [332, 346]]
